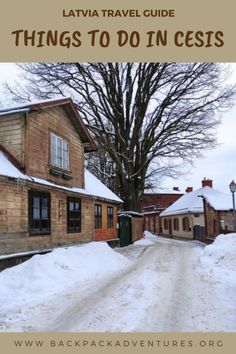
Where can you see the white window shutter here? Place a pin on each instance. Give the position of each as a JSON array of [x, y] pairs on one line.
[[65, 155], [53, 149]]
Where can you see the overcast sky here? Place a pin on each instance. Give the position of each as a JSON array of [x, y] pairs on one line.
[[218, 164]]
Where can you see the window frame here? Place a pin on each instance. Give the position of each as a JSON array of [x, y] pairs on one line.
[[98, 216], [165, 224], [110, 217], [176, 224], [74, 229], [185, 224], [64, 156], [41, 195]]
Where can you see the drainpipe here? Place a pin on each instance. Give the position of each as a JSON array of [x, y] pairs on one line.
[[192, 225], [24, 138], [93, 215]]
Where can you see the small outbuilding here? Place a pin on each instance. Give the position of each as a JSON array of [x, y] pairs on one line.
[[131, 227]]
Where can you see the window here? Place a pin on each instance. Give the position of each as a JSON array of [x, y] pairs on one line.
[[59, 152], [176, 224], [98, 216], [185, 224], [110, 221], [166, 224], [39, 213], [73, 215]]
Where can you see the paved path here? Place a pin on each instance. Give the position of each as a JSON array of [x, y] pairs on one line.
[[162, 290]]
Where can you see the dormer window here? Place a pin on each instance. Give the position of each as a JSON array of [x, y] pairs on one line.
[[59, 152]]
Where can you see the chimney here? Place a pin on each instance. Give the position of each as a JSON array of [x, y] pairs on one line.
[[207, 182], [189, 189], [176, 189]]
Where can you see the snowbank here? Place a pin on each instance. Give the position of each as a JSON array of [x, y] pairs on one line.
[[219, 262], [220, 254], [147, 239], [45, 275]]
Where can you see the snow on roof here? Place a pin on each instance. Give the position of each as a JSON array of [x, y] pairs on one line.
[[12, 111], [192, 202], [8, 169], [218, 200], [24, 107], [130, 213], [151, 212], [93, 186], [162, 191], [189, 202]]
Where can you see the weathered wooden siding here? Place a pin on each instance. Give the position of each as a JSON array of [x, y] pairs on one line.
[[13, 216], [105, 233], [137, 228], [12, 135], [39, 126], [14, 230]]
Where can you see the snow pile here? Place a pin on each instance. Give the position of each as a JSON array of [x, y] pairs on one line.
[[220, 254], [218, 262], [149, 238], [46, 275]]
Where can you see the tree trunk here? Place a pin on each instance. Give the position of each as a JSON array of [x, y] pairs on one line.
[[131, 197]]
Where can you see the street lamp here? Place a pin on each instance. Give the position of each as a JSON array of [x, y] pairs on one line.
[[232, 188]]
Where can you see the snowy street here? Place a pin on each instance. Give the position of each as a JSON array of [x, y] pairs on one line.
[[154, 285]]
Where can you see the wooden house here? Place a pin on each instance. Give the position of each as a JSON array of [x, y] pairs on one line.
[[47, 199]]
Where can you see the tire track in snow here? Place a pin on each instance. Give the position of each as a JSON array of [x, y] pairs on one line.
[[161, 291], [92, 310]]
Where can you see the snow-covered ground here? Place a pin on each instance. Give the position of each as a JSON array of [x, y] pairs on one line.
[[154, 285]]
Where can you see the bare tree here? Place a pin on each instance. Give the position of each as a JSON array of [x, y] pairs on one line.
[[141, 114]]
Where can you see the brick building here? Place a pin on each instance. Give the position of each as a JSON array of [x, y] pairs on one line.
[[152, 204]]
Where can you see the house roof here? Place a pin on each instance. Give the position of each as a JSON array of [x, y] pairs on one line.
[[188, 203], [218, 200], [93, 186], [192, 202], [164, 191], [8, 169], [69, 107]]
